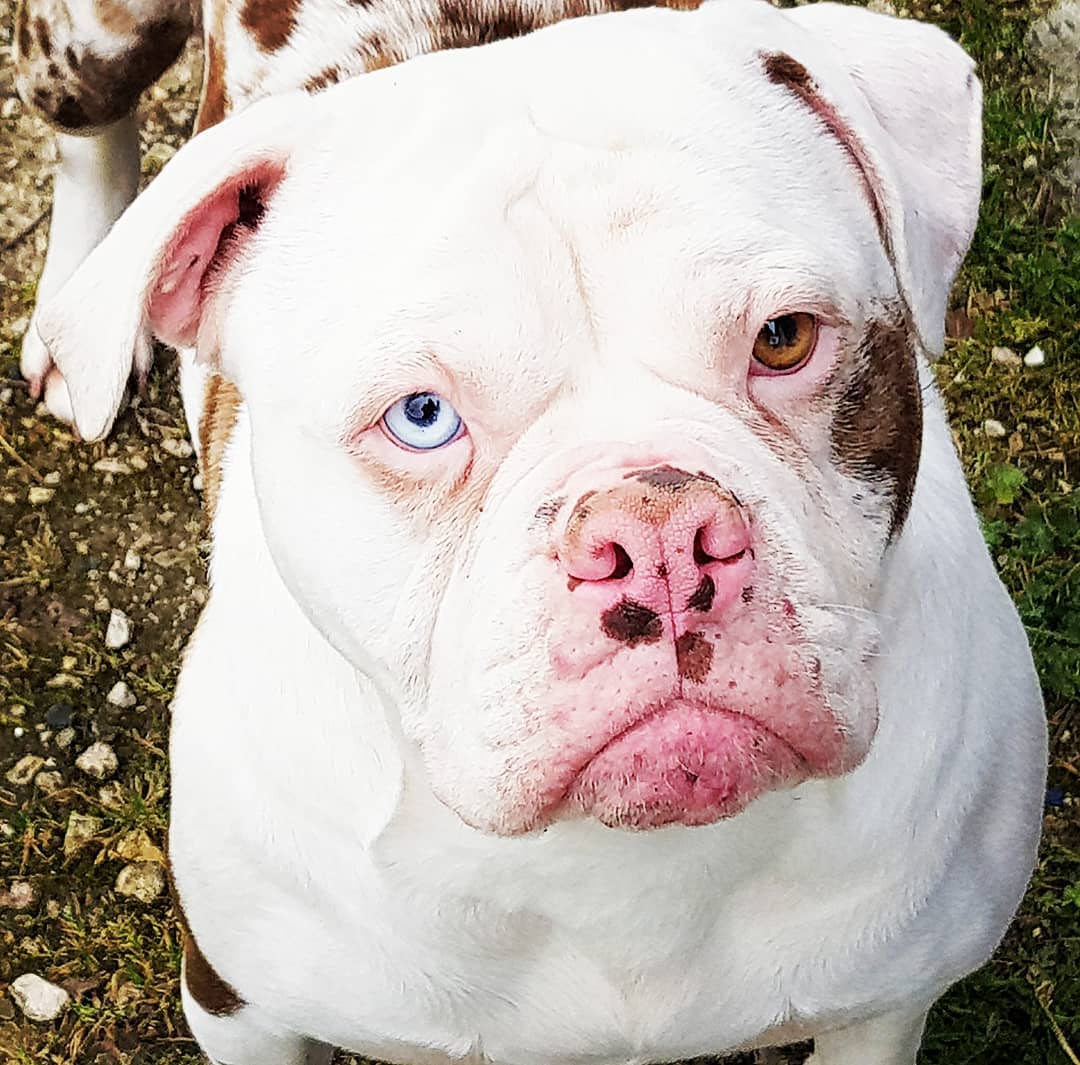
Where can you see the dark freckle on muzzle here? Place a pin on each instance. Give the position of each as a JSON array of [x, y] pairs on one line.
[[549, 511], [703, 596], [631, 623], [693, 656]]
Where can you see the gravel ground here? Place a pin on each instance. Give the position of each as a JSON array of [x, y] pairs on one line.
[[102, 573]]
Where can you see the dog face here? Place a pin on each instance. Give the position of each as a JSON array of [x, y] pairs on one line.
[[584, 405]]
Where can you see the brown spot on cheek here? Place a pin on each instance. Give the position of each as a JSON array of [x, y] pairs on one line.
[[663, 477], [270, 22], [693, 656], [877, 424], [631, 623]]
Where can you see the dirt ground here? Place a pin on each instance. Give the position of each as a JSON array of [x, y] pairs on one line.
[[89, 530]]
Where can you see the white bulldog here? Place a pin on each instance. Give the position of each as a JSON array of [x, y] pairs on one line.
[[603, 661]]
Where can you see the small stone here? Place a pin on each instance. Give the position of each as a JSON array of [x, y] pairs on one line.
[[111, 795], [132, 561], [65, 738], [111, 465], [993, 428], [196, 482], [11, 108], [168, 558], [18, 732], [102, 605], [1006, 357], [20, 896], [63, 680], [97, 761], [178, 447], [23, 771], [68, 663], [1035, 357], [144, 881], [60, 715], [138, 463], [118, 634], [52, 478], [49, 782], [81, 828], [6, 396], [137, 846], [37, 998], [82, 508], [38, 495], [120, 695], [1031, 162]]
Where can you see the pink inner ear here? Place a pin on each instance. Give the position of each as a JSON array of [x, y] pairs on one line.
[[177, 299]]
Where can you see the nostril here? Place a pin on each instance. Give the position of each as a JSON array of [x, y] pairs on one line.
[[623, 564], [702, 556]]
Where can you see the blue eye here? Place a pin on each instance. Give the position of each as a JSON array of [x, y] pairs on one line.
[[424, 421]]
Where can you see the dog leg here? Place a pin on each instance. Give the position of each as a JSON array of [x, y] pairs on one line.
[[95, 180], [82, 67], [890, 1039], [248, 1037]]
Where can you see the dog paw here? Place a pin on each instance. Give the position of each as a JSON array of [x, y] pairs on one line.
[[48, 384]]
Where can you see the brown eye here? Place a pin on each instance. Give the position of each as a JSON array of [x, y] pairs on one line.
[[786, 341]]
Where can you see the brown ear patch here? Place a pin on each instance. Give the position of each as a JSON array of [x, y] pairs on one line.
[[877, 424], [788, 73], [221, 406]]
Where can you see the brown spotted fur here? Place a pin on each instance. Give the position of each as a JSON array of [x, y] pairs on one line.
[[221, 405], [877, 424]]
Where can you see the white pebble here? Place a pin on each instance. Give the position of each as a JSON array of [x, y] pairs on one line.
[[132, 561], [1035, 357], [1005, 356], [992, 427], [97, 761], [37, 998], [196, 482], [65, 738], [118, 634], [121, 695], [111, 465], [81, 828], [178, 447], [82, 508], [141, 880], [52, 478], [38, 494], [22, 772], [19, 732]]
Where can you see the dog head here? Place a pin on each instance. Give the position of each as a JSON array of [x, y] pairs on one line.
[[582, 381]]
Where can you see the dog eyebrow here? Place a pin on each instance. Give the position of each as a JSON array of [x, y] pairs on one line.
[[781, 69]]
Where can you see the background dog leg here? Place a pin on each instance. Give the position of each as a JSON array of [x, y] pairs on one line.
[[81, 68], [248, 1037], [891, 1039], [96, 178]]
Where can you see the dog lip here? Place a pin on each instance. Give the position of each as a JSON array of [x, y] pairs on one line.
[[665, 706]]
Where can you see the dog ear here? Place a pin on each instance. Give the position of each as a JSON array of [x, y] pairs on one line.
[[914, 104], [152, 273]]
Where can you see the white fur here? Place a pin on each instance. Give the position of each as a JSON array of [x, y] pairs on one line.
[[586, 228]]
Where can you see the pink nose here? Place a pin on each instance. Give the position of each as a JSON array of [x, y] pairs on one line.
[[661, 542]]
